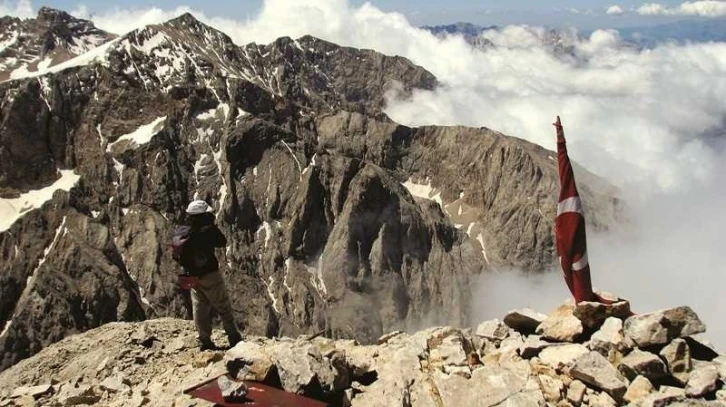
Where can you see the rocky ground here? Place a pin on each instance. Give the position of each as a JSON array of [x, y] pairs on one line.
[[589, 355]]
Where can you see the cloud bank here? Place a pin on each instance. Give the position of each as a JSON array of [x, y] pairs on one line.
[[704, 8], [651, 121]]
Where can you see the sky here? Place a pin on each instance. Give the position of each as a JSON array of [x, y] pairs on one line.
[[586, 14], [650, 121]]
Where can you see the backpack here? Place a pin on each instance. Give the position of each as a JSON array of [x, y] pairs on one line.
[[190, 256]]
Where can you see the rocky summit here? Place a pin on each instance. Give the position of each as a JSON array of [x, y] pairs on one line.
[[338, 219], [494, 364]]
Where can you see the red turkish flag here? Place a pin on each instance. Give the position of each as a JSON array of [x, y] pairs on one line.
[[570, 228]]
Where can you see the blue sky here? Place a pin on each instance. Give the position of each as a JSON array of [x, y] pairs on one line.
[[487, 12]]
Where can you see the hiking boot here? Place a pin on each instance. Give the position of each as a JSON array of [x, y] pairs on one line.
[[207, 344]]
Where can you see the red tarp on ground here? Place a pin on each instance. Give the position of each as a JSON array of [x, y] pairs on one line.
[[259, 395]]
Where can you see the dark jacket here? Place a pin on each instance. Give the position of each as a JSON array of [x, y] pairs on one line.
[[193, 246]]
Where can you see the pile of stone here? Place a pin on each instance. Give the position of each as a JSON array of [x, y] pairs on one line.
[[586, 355]]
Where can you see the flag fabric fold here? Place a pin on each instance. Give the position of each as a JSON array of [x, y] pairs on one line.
[[570, 239]]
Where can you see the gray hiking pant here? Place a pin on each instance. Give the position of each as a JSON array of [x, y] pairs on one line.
[[212, 294]]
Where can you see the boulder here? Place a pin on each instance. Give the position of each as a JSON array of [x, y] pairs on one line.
[[609, 338], [601, 400], [677, 356], [533, 345], [249, 359], [665, 396], [641, 363], [232, 391], [593, 369], [524, 320], [658, 328], [450, 350], [703, 380], [561, 356], [646, 330], [639, 389], [493, 330], [552, 388], [593, 314], [576, 392], [490, 385], [561, 325]]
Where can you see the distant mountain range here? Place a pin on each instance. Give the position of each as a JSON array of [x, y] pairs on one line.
[[645, 36]]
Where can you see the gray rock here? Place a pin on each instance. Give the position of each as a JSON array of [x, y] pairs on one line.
[[73, 396], [639, 389], [232, 391], [641, 363], [563, 355], [533, 345], [665, 396], [702, 381], [552, 388], [593, 314], [116, 383], [33, 391], [658, 328], [609, 337], [493, 330], [248, 360], [524, 320], [720, 363], [601, 400], [576, 392], [677, 356], [561, 325], [593, 369], [646, 330]]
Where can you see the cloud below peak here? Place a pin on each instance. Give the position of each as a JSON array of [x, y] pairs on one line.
[[702, 8]]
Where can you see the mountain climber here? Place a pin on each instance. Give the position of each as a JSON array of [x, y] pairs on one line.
[[193, 248]]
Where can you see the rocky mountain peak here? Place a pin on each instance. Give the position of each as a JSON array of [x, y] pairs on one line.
[[34, 45], [51, 15]]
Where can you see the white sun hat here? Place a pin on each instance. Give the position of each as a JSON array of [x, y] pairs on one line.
[[198, 207]]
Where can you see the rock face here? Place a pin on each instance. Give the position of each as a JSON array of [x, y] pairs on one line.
[[331, 209], [144, 363]]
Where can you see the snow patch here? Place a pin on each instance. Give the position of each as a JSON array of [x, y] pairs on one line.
[[140, 136], [95, 214], [119, 170], [424, 191], [316, 277], [7, 327], [299, 167], [13, 209], [480, 238], [269, 285]]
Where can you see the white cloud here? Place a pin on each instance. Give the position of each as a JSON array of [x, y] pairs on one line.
[[615, 10], [637, 117], [20, 8], [703, 8]]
